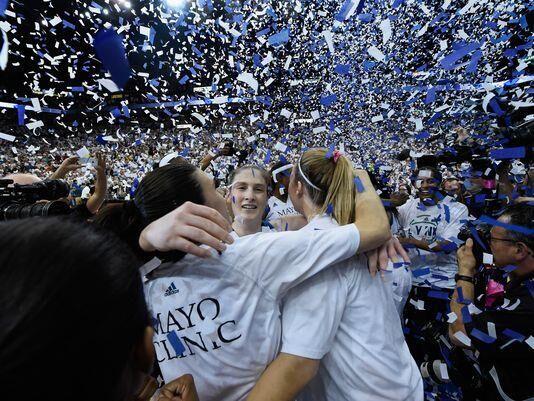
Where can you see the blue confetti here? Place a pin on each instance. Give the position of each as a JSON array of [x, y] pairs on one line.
[[513, 334], [330, 209], [439, 295], [421, 272], [330, 152], [460, 299], [20, 113], [466, 316], [263, 32], [359, 184], [328, 100], [3, 7], [342, 69], [509, 268], [267, 157], [510, 227], [475, 235], [508, 153], [423, 135], [349, 7], [279, 38], [110, 50], [447, 213], [67, 24], [449, 62], [480, 335], [176, 343], [448, 246]]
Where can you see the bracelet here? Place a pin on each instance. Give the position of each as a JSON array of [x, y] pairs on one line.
[[458, 277]]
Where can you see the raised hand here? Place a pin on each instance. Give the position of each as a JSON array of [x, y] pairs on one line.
[[68, 165], [184, 228]]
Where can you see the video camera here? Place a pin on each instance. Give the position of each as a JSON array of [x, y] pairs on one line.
[[20, 201]]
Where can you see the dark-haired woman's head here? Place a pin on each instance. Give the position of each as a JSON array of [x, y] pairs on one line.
[[160, 192], [73, 319], [280, 175]]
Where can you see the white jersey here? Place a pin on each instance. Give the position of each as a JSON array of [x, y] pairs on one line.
[[433, 224], [348, 319], [400, 277], [279, 209], [219, 318]]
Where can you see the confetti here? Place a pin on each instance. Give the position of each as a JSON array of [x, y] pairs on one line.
[[110, 50]]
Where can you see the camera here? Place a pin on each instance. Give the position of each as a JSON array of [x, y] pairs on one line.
[[20, 201], [479, 234]]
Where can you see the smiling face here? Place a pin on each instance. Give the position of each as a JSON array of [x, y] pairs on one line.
[[426, 185], [249, 194]]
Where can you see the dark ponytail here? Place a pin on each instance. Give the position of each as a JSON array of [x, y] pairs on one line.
[[159, 192]]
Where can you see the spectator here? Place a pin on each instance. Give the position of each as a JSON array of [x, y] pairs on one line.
[[280, 205], [452, 187], [430, 228], [502, 331]]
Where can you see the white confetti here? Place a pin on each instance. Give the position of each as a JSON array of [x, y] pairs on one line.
[[385, 27], [249, 79], [7, 137], [376, 53]]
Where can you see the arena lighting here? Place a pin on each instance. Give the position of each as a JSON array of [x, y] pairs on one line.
[[175, 3]]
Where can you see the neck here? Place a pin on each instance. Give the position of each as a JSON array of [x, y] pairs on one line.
[[429, 201], [524, 269], [246, 227], [309, 210]]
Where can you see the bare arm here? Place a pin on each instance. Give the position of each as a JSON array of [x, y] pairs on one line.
[[466, 267], [68, 165], [289, 223], [205, 162], [422, 244], [371, 218], [284, 378], [101, 186]]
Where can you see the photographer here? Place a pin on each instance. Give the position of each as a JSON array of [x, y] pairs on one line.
[[502, 332], [27, 195]]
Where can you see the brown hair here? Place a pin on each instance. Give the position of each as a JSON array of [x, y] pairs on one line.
[[335, 179]]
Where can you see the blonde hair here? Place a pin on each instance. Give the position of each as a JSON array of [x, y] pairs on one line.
[[263, 173], [335, 180]]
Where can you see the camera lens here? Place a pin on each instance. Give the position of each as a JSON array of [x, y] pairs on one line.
[[19, 211]]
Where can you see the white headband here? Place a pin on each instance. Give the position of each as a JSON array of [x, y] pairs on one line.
[[279, 170], [307, 180], [167, 159]]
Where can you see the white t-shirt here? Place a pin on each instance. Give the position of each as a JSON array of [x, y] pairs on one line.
[[223, 313], [348, 319], [279, 209], [400, 277], [433, 224]]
